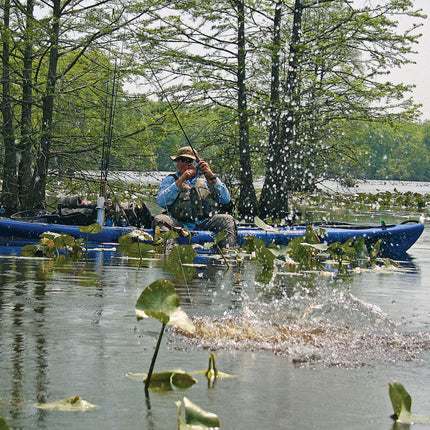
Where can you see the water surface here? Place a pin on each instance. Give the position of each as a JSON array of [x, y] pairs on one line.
[[315, 351]]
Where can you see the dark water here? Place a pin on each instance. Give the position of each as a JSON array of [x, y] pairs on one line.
[[311, 352]]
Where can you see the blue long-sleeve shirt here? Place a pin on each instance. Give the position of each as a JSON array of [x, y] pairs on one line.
[[168, 191]]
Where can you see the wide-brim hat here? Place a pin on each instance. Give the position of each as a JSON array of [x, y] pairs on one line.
[[185, 151]]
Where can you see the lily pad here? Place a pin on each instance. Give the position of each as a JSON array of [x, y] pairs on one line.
[[160, 301], [71, 404], [220, 236], [3, 424], [195, 417], [44, 248], [135, 249], [402, 403], [90, 229], [61, 240], [261, 224], [183, 254], [165, 381]]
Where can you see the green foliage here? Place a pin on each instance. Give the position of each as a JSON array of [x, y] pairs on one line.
[[137, 249], [90, 229], [71, 404], [402, 403], [3, 424], [305, 249], [50, 244], [180, 262], [195, 417], [165, 381], [381, 150], [160, 301], [262, 253]]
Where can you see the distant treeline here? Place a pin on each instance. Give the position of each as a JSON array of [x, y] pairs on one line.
[[397, 151]]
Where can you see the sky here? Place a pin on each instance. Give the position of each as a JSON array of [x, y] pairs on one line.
[[417, 74]]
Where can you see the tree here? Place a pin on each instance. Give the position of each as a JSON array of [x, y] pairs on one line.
[[10, 186], [71, 29], [336, 57], [205, 45]]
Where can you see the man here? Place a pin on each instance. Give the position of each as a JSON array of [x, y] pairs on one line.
[[191, 198]]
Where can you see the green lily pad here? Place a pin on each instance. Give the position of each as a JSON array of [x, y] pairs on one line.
[[136, 250], [195, 417], [183, 254], [265, 276], [181, 271], [402, 403], [71, 404], [44, 248], [261, 224], [165, 381], [160, 301], [90, 229], [163, 237], [263, 254], [61, 240], [220, 236], [3, 424]]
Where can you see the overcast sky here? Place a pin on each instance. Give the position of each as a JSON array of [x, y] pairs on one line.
[[418, 73]]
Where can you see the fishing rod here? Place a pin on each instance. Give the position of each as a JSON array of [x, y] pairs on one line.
[[163, 93], [107, 143], [108, 134]]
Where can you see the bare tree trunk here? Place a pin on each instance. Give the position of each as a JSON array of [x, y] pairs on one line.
[[280, 163], [38, 185], [268, 193], [247, 200], [26, 141], [9, 195]]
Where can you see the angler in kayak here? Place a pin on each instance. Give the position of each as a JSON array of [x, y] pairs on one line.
[[192, 198]]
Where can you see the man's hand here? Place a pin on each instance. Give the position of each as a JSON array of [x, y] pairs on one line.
[[189, 173], [205, 168]]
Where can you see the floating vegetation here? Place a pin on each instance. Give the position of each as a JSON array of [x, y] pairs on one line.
[[51, 243], [195, 417], [379, 200], [71, 404], [213, 374], [402, 403], [307, 253], [165, 381], [160, 301], [3, 424], [90, 229], [135, 244]]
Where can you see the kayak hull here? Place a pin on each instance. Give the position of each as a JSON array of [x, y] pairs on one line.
[[396, 239]]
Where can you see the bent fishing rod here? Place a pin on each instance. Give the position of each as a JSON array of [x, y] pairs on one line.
[[163, 93]]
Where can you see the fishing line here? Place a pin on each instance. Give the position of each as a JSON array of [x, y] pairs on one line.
[[108, 134], [163, 93]]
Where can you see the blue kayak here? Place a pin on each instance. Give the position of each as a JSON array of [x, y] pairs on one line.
[[396, 239]]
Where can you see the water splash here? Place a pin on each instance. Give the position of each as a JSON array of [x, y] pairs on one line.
[[330, 328]]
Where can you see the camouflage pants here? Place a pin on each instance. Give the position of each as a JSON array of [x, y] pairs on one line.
[[218, 222]]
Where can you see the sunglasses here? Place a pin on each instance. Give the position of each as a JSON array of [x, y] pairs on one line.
[[184, 160]]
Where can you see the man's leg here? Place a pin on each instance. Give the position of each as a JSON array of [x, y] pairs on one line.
[[166, 223], [222, 222]]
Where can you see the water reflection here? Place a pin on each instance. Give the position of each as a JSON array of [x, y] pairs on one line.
[[69, 328]]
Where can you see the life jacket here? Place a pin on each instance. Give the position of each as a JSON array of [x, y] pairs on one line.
[[194, 204]]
